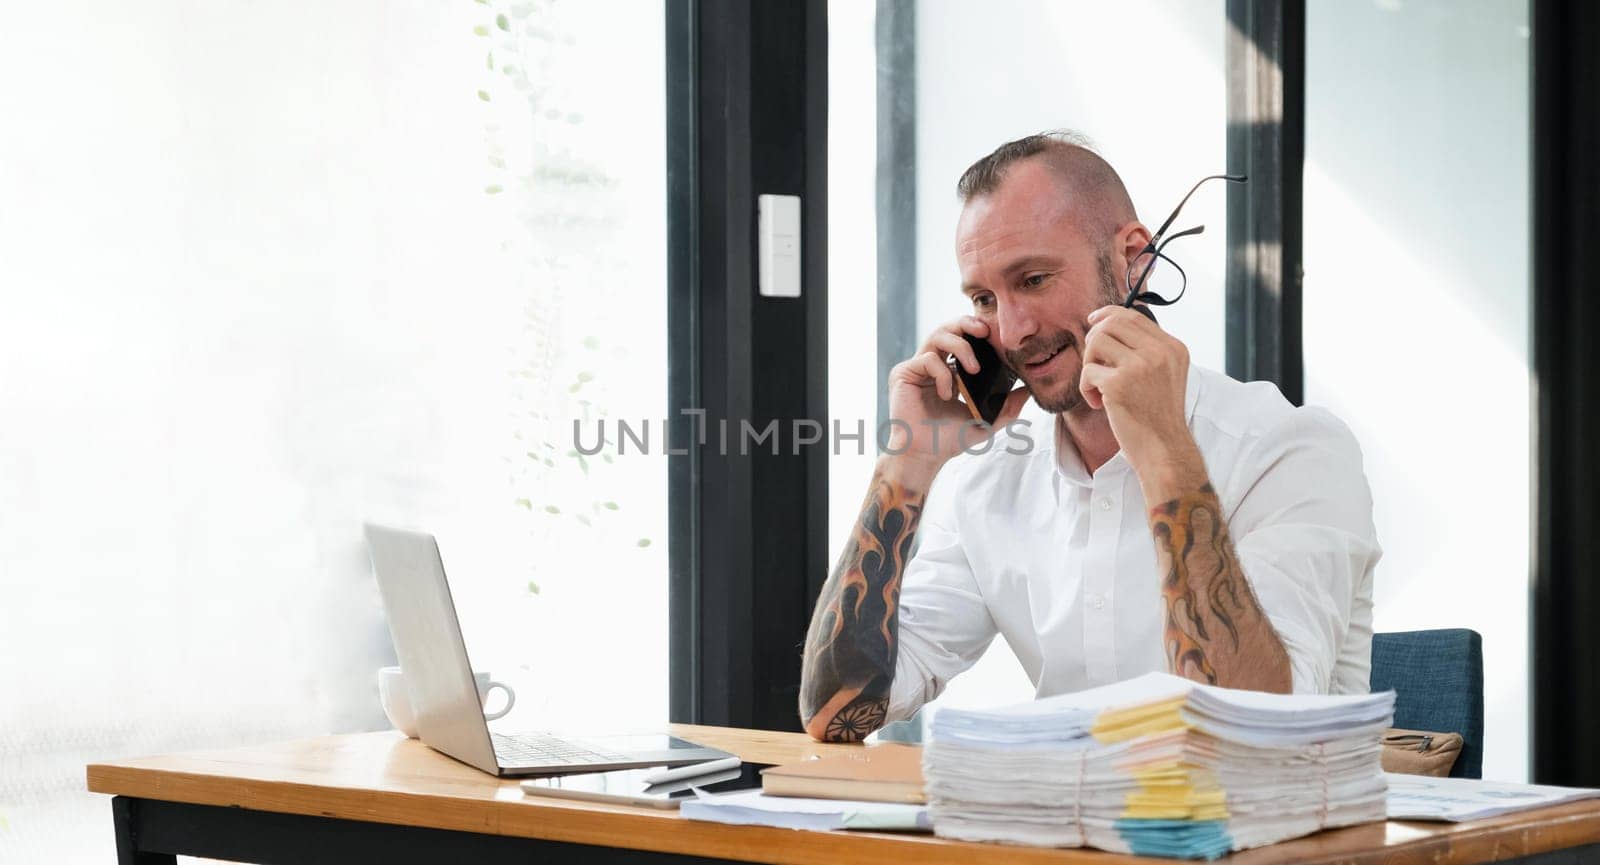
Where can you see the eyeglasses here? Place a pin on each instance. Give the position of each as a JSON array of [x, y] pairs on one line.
[[1156, 250]]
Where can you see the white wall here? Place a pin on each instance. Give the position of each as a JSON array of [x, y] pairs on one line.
[[254, 293], [1416, 311]]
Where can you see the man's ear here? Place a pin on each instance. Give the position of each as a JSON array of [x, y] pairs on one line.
[[1130, 241]]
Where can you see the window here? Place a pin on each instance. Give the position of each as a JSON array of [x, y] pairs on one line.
[[1416, 312], [271, 271]]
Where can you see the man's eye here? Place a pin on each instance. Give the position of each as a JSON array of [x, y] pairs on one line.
[[1036, 280], [982, 301]]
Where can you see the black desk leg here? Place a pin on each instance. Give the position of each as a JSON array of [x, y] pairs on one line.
[[125, 817]]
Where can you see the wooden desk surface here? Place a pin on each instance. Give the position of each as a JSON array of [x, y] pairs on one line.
[[385, 778]]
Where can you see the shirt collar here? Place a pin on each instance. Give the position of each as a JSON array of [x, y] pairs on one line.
[[1067, 463]]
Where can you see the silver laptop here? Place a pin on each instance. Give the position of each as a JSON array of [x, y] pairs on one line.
[[427, 638]]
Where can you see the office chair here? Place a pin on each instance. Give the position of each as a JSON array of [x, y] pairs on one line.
[[1438, 676]]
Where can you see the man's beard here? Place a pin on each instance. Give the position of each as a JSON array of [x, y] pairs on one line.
[[1067, 396]]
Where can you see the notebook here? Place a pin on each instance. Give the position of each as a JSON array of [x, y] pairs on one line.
[[882, 773]]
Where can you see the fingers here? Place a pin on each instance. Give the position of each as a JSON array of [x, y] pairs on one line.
[[1115, 331], [946, 343], [1089, 382], [925, 368], [1110, 309], [1131, 328], [1108, 348], [955, 328]]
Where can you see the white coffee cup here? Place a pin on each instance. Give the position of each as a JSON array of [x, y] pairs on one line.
[[397, 700]]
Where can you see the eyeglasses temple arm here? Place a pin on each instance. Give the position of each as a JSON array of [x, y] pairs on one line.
[[1187, 232], [1231, 178]]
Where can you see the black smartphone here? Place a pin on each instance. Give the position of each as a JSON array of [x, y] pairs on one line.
[[983, 391]]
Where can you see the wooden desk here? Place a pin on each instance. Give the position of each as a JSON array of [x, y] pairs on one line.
[[378, 797]]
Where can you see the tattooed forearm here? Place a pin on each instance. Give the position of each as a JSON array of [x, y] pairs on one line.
[[850, 647], [1215, 630]]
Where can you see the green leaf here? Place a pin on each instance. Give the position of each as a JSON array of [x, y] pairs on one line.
[[533, 587], [591, 342], [550, 462], [610, 506], [644, 542], [484, 95], [585, 520], [480, 30], [606, 457], [551, 509], [525, 503], [583, 464], [490, 61], [501, 22], [585, 376], [493, 189]]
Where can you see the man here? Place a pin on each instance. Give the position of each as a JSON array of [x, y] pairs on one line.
[[1166, 518]]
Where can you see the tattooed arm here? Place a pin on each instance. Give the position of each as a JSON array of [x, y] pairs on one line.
[[1215, 629], [851, 646]]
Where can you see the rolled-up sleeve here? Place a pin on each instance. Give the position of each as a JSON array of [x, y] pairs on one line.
[[1304, 536], [945, 625]]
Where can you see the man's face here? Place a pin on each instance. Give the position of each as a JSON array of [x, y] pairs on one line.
[[1033, 276]]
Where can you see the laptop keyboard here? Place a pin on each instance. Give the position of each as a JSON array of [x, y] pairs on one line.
[[538, 749]]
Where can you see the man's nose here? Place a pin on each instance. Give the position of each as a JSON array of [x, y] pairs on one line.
[[1015, 322]]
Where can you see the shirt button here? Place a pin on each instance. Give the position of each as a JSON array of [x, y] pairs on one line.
[[1105, 504], [1097, 601]]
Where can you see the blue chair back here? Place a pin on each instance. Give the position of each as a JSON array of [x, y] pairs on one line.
[[1438, 677]]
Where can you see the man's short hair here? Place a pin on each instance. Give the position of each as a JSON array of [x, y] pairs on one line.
[[1102, 201]]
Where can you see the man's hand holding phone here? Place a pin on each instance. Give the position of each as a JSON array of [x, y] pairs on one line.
[[930, 425]]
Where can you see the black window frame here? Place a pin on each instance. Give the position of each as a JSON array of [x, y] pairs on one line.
[[747, 115], [1564, 690]]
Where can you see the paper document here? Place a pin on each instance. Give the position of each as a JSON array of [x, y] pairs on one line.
[[1417, 797], [753, 808], [1158, 766]]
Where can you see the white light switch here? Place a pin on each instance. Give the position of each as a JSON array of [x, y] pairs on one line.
[[778, 231]]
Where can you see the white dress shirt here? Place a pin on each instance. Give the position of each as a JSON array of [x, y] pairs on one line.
[[1062, 564]]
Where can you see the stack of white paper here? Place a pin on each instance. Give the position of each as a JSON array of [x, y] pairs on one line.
[[1158, 766], [752, 808], [1413, 797]]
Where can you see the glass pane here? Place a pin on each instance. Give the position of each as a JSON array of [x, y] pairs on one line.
[[986, 74], [272, 270], [1416, 311]]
